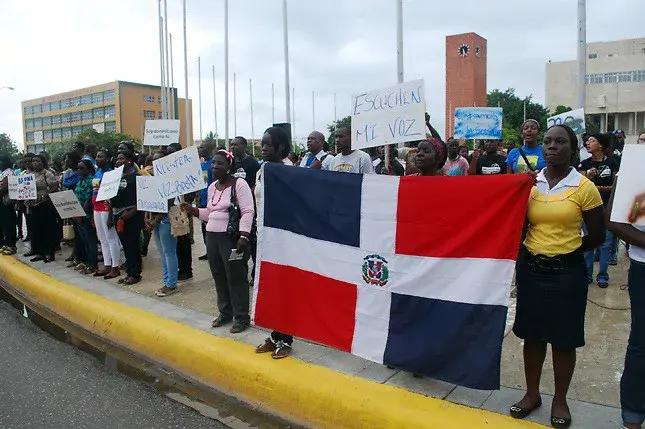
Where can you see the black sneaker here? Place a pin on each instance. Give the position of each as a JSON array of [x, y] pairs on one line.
[[182, 277], [203, 257]]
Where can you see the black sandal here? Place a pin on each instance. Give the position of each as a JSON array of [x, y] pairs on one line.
[[520, 413], [560, 422]]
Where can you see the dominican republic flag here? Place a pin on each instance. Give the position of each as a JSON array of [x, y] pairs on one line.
[[411, 272]]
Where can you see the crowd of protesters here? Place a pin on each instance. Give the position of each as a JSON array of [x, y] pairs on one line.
[[555, 263]]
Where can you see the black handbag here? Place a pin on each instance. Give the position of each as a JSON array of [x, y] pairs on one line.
[[234, 215]]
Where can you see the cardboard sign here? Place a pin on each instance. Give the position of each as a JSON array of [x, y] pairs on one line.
[[629, 199], [149, 197], [180, 172], [110, 184], [574, 119], [394, 114], [67, 204], [22, 188], [478, 123], [161, 132]]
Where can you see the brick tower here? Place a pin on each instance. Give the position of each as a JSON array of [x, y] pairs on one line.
[[465, 74]]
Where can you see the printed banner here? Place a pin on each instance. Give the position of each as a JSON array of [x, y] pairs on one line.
[[67, 204], [149, 197], [478, 123], [180, 172], [629, 199], [110, 184], [574, 118], [161, 132], [22, 188], [395, 114]]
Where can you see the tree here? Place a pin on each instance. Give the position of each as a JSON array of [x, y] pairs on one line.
[[513, 107], [343, 122], [8, 147]]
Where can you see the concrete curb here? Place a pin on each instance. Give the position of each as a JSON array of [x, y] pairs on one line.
[[300, 392]]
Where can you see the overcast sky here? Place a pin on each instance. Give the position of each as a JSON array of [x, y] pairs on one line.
[[336, 46]]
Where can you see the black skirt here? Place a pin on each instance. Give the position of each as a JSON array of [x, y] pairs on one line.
[[551, 300]]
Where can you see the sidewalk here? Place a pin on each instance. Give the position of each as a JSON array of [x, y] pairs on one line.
[[593, 397]]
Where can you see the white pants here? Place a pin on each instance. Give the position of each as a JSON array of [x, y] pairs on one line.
[[110, 244]]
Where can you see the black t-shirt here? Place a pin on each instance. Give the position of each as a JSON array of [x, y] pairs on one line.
[[606, 169], [247, 170], [127, 196], [491, 164]]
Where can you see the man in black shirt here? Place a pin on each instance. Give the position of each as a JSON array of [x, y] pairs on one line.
[[244, 166], [491, 162], [601, 170]]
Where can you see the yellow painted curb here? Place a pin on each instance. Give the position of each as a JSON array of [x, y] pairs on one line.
[[305, 393]]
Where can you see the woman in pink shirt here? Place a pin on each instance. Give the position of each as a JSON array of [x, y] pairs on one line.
[[227, 241]]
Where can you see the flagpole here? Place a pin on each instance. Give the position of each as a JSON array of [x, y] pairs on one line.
[[273, 103], [399, 40], [235, 103], [167, 59], [252, 123], [187, 110], [287, 85], [226, 107], [313, 110], [172, 83], [161, 63], [335, 114], [215, 103], [199, 89], [293, 116], [582, 52]]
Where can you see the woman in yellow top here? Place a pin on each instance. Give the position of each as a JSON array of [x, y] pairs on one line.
[[551, 271]]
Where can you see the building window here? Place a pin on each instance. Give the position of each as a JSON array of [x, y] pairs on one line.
[[56, 120], [87, 127], [148, 98], [98, 113], [45, 107], [47, 134], [110, 126], [97, 97], [64, 104], [76, 131], [74, 101], [86, 99], [109, 111], [39, 148], [38, 108], [54, 105], [29, 124], [108, 95], [86, 115], [29, 110], [66, 118], [30, 136], [610, 77], [67, 133], [76, 116], [31, 148], [160, 115], [38, 122], [616, 77], [47, 121], [56, 134], [148, 114], [592, 56]]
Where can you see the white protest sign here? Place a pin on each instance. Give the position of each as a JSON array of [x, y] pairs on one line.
[[629, 198], [161, 132], [149, 197], [67, 204], [22, 188], [110, 184], [478, 123], [180, 172], [390, 115], [574, 119]]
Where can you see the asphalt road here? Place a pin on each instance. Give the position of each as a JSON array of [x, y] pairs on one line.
[[48, 384]]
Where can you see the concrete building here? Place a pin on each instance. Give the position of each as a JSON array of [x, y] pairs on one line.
[[115, 106], [465, 74], [615, 85]]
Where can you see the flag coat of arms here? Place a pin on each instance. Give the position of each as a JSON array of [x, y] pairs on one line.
[[412, 272]]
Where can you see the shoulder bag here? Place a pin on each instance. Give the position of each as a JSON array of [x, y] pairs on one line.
[[234, 215]]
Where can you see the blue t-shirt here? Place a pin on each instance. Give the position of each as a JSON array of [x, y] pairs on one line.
[[533, 154], [207, 171]]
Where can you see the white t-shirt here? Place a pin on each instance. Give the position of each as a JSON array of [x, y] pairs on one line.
[[322, 155], [356, 162], [637, 253]]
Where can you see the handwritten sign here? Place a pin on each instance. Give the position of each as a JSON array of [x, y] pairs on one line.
[[181, 173], [149, 198], [67, 204], [161, 132], [574, 119], [629, 199], [22, 188], [478, 123], [110, 184], [391, 115]]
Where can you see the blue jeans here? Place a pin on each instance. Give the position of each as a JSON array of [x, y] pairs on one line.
[[632, 392], [89, 242], [167, 245], [605, 255]]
